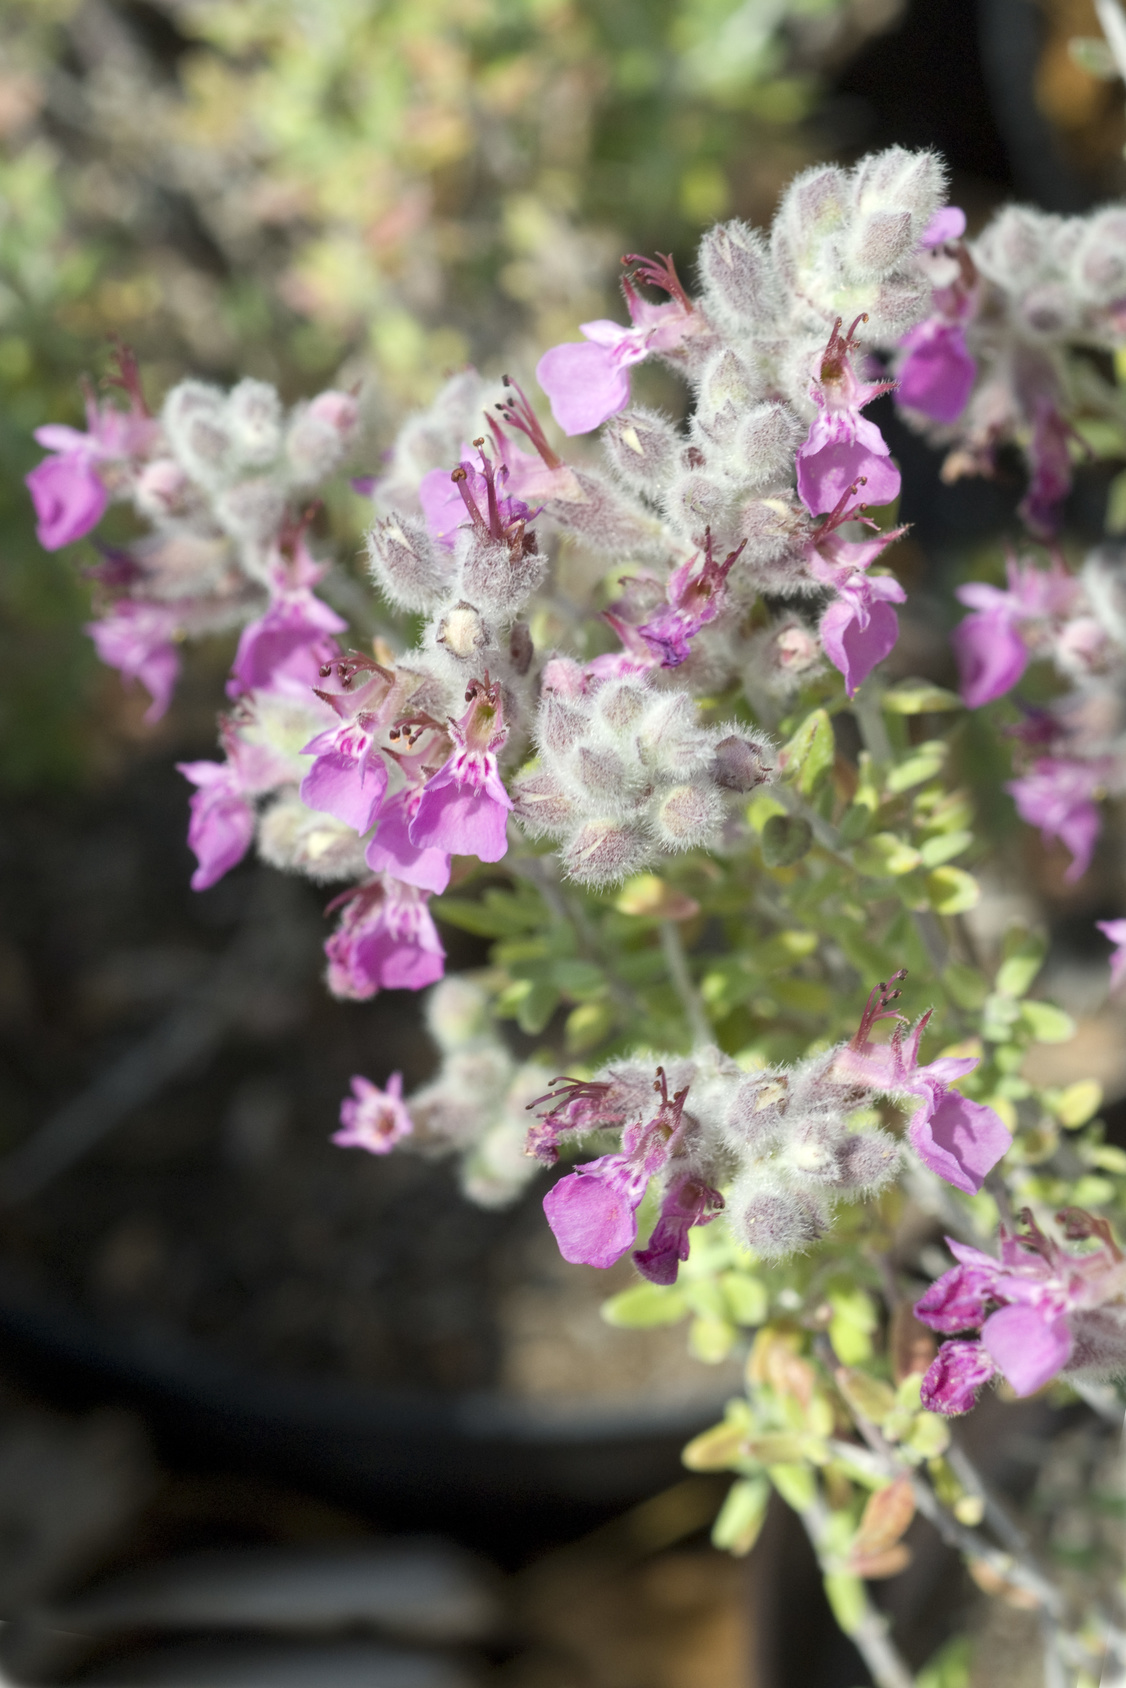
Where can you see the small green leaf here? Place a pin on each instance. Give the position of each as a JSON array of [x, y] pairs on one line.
[[643, 1306], [711, 1340], [950, 890], [923, 765], [811, 752], [1078, 1103], [943, 847], [587, 1026], [1024, 954], [920, 697], [854, 823], [785, 839], [795, 1484], [846, 1596], [966, 987], [741, 1516], [949, 1667], [1046, 1022], [746, 1297], [885, 856]]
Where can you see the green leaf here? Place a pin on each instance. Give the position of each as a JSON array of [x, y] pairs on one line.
[[795, 1484], [741, 1516], [785, 839], [587, 1026], [885, 856], [1024, 954], [949, 1667], [643, 1306], [846, 1596], [711, 1340], [498, 914], [920, 697], [951, 890], [530, 1002], [578, 978], [923, 765], [1077, 1104], [746, 1297], [1116, 500], [943, 847], [1046, 1022], [811, 752]]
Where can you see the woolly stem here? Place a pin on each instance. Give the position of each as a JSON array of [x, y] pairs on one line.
[[677, 963]]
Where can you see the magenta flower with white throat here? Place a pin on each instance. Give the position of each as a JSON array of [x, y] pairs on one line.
[[593, 1210], [349, 777], [139, 639], [222, 822], [386, 940], [374, 1119], [464, 806], [1040, 1310], [859, 628], [843, 447], [1058, 795], [587, 381], [936, 377], [956, 1138], [391, 850]]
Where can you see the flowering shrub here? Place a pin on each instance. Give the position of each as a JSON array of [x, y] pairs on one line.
[[629, 718]]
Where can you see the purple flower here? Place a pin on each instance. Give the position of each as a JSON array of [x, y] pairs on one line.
[[137, 638], [958, 1139], [842, 447], [687, 1202], [582, 1105], [1115, 930], [1038, 1308], [859, 628], [593, 1211], [286, 648], [588, 382], [222, 820], [374, 1119], [386, 940], [391, 850], [937, 375], [993, 645], [464, 807], [349, 777], [695, 597], [1058, 796], [1041, 509], [69, 495]]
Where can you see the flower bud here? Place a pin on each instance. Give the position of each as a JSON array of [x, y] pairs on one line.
[[742, 763], [457, 1012], [867, 1160], [697, 501], [740, 285], [163, 491], [409, 569], [499, 576], [880, 243], [252, 510], [601, 773], [687, 816], [729, 380], [194, 419], [621, 705], [559, 724], [769, 436], [604, 852], [297, 839], [521, 650], [540, 803], [776, 1222], [642, 446], [320, 434], [254, 418]]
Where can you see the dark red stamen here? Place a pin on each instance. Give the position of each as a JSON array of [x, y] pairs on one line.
[[657, 272], [518, 414], [878, 1007]]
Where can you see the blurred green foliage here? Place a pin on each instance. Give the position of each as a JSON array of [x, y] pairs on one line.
[[367, 189]]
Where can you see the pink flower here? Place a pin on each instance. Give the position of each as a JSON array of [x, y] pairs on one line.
[[859, 628], [593, 1211], [1115, 930], [842, 447], [69, 494], [993, 645], [1058, 797], [958, 1139], [374, 1119], [286, 648], [539, 477], [137, 638], [464, 807], [937, 376], [583, 1105], [687, 1202], [391, 850], [586, 383], [1038, 1309], [386, 940], [695, 597], [222, 820]]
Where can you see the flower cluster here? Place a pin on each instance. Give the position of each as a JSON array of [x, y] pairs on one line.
[[1040, 1310], [1074, 749]]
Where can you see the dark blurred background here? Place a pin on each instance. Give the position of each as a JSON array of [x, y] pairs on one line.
[[244, 1336]]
